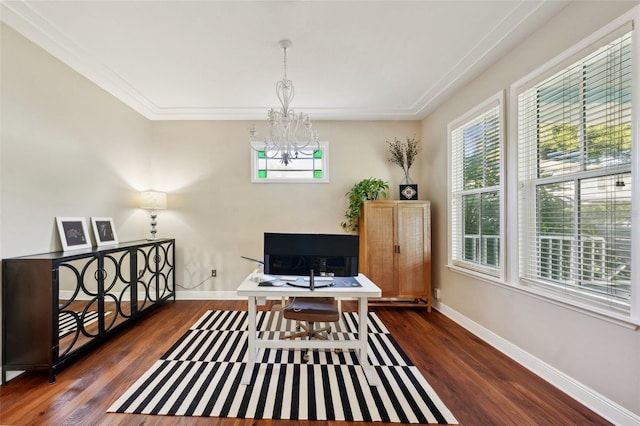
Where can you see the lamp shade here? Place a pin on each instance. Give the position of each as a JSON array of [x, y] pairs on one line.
[[153, 200]]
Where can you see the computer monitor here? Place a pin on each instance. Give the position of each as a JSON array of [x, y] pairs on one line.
[[298, 254]]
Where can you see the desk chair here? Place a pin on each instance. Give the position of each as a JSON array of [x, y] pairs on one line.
[[311, 310]]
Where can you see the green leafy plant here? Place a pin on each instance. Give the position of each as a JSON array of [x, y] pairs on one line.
[[366, 189]]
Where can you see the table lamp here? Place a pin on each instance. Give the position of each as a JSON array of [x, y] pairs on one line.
[[153, 200]]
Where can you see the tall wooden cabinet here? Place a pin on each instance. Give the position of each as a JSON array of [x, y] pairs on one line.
[[395, 250]]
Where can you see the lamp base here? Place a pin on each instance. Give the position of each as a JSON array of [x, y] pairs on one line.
[[154, 215]]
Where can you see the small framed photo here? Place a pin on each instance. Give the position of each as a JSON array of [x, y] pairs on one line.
[[104, 231], [73, 233]]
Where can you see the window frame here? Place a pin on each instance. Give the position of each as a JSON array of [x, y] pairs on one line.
[[577, 52], [324, 147], [454, 224]]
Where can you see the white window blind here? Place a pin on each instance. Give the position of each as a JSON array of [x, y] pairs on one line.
[[574, 171], [475, 178]]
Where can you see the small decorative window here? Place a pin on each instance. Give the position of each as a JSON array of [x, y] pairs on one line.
[[306, 167]]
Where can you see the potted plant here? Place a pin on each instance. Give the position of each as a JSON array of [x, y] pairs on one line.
[[404, 154], [366, 189]]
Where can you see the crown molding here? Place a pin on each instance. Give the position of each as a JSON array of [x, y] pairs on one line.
[[26, 20]]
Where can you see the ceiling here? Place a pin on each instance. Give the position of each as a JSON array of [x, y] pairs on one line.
[[220, 60]]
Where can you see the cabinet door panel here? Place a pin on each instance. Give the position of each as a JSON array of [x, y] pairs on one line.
[[147, 285], [165, 270], [412, 254], [78, 320], [380, 246], [117, 288], [155, 281]]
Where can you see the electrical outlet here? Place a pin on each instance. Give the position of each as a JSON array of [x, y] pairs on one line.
[[214, 273], [437, 293]]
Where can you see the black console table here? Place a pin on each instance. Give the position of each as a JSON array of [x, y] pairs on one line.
[[56, 306]]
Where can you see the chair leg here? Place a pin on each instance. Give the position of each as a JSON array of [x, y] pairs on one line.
[[317, 335], [310, 333], [306, 331]]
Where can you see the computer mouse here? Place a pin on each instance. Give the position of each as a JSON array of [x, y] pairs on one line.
[[277, 283]]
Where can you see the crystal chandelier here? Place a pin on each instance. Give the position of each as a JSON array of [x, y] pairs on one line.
[[290, 134]]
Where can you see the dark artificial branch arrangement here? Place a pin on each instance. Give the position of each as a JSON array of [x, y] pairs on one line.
[[404, 153]]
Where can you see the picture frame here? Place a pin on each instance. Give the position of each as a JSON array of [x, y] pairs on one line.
[[73, 232], [104, 231]]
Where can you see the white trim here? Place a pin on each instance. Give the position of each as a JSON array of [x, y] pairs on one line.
[[593, 400], [632, 15], [512, 187], [512, 260], [475, 273], [498, 100], [482, 107], [12, 374], [546, 296], [25, 19], [635, 163], [208, 295], [180, 295], [442, 87]]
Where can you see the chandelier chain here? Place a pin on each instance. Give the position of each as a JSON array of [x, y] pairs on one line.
[[283, 141], [285, 63]]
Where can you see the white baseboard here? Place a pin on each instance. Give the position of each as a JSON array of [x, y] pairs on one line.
[[180, 295], [593, 400], [208, 295], [220, 295]]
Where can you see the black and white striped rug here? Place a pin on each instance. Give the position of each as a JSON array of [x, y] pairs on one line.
[[200, 376]]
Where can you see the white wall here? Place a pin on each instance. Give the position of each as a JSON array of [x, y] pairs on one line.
[[67, 149], [70, 149], [596, 353], [217, 214]]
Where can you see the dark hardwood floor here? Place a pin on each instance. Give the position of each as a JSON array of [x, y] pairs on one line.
[[478, 384]]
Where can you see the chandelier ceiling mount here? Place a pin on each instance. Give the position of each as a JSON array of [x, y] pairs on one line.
[[289, 133]]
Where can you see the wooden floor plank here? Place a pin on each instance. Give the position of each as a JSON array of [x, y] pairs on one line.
[[480, 385]]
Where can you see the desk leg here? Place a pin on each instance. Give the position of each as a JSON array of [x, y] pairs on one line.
[[369, 371], [251, 346]]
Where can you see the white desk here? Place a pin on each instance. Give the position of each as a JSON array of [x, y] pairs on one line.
[[254, 293]]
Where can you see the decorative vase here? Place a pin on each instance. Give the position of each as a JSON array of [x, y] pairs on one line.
[[408, 189]]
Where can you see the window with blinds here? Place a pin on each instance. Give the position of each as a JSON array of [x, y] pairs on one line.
[[574, 171], [476, 189], [309, 166]]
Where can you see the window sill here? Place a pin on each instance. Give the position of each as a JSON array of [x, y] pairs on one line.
[[549, 297]]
